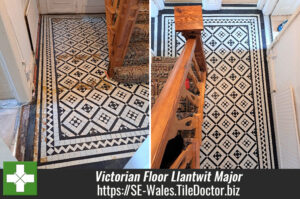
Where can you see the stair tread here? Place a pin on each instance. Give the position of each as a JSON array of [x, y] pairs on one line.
[[142, 18], [161, 67], [144, 6], [132, 74], [137, 54], [140, 33], [138, 48]]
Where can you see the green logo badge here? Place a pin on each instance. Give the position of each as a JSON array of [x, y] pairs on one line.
[[19, 178]]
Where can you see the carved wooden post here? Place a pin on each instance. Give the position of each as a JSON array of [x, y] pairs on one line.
[[127, 14], [189, 21], [110, 9]]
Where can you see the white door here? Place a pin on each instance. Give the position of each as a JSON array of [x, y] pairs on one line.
[[32, 16], [17, 19], [62, 6], [92, 6], [71, 6], [286, 7]]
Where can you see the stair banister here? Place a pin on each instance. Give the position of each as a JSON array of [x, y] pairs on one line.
[[164, 122], [164, 110]]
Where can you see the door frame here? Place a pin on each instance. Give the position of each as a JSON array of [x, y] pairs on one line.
[[267, 6]]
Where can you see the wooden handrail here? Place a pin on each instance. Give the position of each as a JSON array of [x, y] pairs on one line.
[[191, 64], [164, 110]]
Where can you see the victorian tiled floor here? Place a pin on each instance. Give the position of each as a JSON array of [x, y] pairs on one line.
[[237, 126], [81, 115]]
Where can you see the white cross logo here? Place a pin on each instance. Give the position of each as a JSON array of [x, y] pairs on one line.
[[20, 178]]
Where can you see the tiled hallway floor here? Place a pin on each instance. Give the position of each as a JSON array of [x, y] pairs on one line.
[[237, 126], [82, 116]]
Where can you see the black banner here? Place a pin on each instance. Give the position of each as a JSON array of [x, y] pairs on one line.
[[74, 183]]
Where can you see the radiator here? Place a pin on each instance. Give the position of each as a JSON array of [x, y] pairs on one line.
[[287, 134]]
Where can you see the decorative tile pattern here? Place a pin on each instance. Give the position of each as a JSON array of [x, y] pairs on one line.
[[237, 130], [83, 115]]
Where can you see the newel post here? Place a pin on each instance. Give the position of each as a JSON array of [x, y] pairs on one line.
[[189, 21], [126, 17]]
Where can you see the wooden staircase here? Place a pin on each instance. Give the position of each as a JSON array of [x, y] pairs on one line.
[[177, 114], [128, 40]]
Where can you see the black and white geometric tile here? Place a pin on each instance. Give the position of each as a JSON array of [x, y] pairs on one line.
[[237, 127], [82, 116]]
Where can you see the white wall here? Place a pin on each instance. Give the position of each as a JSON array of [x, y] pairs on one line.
[[24, 4], [278, 7], [286, 7], [284, 62], [5, 153], [268, 6], [285, 56], [5, 89]]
